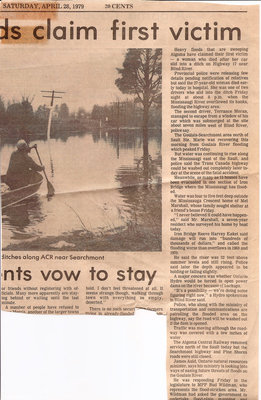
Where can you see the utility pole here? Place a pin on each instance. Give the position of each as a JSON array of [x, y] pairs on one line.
[[52, 96]]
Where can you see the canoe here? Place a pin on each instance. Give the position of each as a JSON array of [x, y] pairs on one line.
[[11, 197]]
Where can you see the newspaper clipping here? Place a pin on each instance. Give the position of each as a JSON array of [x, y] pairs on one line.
[[129, 175]]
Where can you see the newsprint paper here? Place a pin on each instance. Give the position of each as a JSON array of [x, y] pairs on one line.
[[129, 159]]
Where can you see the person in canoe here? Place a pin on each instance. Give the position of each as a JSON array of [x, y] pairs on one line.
[[22, 168]]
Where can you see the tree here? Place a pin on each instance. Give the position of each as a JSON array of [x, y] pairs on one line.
[[141, 75], [64, 112], [2, 112], [97, 112], [20, 114], [42, 113], [82, 113]]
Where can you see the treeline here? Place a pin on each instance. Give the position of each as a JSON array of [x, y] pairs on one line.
[[125, 114], [19, 119]]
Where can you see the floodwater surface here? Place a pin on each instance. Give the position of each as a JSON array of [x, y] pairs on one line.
[[104, 199]]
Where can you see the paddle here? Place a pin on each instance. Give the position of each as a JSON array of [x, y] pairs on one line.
[[50, 187]]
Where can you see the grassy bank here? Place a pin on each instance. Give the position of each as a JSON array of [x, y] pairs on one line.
[[126, 240]]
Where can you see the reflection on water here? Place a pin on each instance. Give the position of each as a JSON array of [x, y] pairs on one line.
[[23, 215], [103, 200]]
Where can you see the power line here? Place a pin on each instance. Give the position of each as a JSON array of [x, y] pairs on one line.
[[53, 93]]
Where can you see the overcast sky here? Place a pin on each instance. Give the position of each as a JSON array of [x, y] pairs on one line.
[[87, 76]]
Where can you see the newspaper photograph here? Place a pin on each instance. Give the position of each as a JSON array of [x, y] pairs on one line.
[[129, 175], [95, 207]]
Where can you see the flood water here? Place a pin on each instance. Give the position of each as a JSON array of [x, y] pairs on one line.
[[103, 200]]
